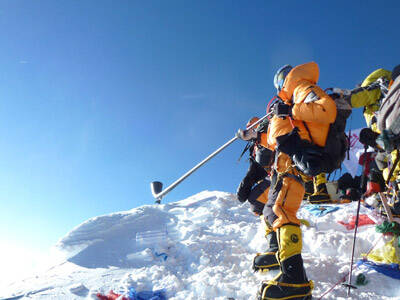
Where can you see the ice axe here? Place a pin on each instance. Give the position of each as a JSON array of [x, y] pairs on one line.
[[156, 186]]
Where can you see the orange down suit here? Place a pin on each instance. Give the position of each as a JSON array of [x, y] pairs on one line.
[[312, 113]]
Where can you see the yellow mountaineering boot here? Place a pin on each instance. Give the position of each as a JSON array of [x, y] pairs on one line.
[[320, 194], [292, 282]]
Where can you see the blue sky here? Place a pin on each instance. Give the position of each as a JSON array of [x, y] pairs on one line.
[[99, 98]]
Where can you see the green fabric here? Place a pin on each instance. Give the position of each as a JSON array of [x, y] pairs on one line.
[[361, 280], [387, 227]]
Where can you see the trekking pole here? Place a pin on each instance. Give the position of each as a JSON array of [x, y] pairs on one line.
[[349, 285], [156, 186]]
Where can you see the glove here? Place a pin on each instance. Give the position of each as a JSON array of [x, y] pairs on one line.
[[263, 126], [281, 109], [257, 207], [341, 92], [246, 135], [308, 162]]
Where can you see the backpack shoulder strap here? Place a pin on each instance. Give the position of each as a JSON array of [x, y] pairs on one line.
[[308, 131]]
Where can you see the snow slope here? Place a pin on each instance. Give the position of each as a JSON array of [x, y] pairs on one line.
[[198, 248]]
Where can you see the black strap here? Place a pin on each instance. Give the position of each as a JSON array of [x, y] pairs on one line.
[[247, 147], [308, 131], [348, 144]]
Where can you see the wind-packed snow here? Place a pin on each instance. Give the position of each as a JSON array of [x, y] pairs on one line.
[[198, 248]]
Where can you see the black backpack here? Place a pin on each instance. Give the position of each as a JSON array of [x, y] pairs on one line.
[[312, 159], [337, 142]]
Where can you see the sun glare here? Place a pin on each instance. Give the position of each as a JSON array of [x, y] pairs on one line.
[[19, 261]]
